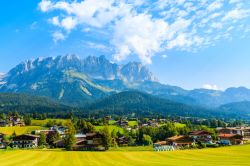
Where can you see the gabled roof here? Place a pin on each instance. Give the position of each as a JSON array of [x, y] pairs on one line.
[[199, 132], [26, 137]]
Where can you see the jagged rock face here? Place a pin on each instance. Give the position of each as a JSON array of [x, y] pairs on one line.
[[136, 72], [94, 67], [69, 78]]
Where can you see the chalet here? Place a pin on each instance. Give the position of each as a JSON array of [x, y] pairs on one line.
[[122, 123], [122, 141], [2, 143], [3, 123], [180, 141], [25, 141], [201, 136], [230, 139], [85, 142], [12, 121], [163, 146], [15, 121], [243, 131], [59, 143], [60, 129]]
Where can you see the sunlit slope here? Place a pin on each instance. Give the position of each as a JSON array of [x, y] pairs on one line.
[[238, 155]]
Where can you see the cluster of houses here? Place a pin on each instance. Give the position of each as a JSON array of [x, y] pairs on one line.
[[88, 141], [226, 136], [12, 121]]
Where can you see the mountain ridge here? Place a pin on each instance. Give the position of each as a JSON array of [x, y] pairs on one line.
[[75, 81]]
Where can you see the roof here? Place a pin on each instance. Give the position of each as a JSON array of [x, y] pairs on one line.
[[180, 139], [200, 132], [227, 135], [161, 143], [26, 137]]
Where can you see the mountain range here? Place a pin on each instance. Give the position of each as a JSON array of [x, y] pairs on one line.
[[79, 82]]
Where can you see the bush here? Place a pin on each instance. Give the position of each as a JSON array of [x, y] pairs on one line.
[[212, 145], [201, 145]]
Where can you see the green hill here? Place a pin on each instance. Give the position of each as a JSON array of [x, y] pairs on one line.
[[130, 102], [29, 103]]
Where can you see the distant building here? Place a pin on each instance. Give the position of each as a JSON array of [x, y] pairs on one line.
[[230, 139], [12, 121], [85, 142], [180, 141], [122, 123], [2, 143], [25, 141], [122, 141], [201, 136], [242, 131]]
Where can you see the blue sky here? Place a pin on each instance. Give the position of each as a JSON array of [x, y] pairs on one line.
[[188, 43]]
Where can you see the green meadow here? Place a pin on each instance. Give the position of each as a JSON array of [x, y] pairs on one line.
[[19, 130], [226, 156]]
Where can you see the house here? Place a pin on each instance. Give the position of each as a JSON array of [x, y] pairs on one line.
[[201, 136], [85, 142], [60, 129], [15, 121], [122, 123], [122, 141], [25, 141], [3, 123], [230, 139], [59, 143], [92, 141], [2, 143], [243, 131], [163, 146], [181, 140]]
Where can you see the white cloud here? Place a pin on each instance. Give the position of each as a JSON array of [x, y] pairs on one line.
[[68, 23], [55, 21], [236, 14], [214, 6], [164, 56], [45, 5], [139, 34], [211, 87], [144, 29], [234, 1], [58, 36]]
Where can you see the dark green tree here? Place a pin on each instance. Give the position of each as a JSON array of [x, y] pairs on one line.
[[107, 139], [70, 139], [42, 139]]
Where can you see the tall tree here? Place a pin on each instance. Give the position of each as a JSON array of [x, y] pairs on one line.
[[42, 139], [107, 139], [70, 139]]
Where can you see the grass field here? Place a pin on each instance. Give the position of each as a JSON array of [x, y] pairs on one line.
[[111, 128], [44, 122], [228, 156], [19, 130]]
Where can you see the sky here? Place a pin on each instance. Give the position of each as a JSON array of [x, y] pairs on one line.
[[187, 43]]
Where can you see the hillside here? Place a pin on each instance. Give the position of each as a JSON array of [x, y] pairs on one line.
[[237, 109], [130, 102], [29, 103]]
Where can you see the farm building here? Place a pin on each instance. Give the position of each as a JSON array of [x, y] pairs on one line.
[[230, 139], [25, 141], [201, 136], [243, 131], [180, 141], [2, 143]]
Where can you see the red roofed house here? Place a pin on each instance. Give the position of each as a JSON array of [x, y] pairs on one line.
[[230, 139]]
